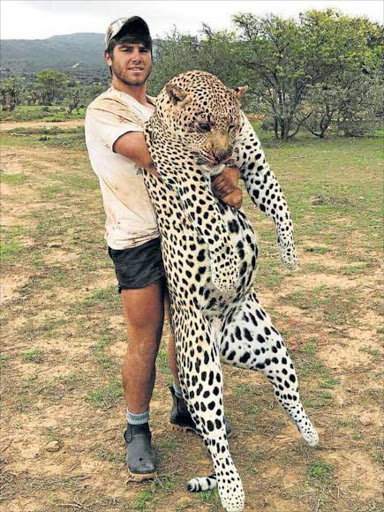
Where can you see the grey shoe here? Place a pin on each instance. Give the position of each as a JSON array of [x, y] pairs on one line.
[[182, 420], [141, 457]]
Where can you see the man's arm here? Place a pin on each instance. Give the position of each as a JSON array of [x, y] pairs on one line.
[[133, 146]]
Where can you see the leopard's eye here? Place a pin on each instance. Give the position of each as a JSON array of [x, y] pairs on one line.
[[231, 127], [204, 127]]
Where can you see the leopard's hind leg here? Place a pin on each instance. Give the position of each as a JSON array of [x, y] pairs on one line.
[[201, 382], [249, 340]]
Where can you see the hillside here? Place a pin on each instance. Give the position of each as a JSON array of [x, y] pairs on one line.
[[64, 53]]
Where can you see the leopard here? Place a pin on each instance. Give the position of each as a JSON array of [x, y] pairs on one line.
[[210, 253]]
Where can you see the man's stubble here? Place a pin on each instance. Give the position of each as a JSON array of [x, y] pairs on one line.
[[121, 75]]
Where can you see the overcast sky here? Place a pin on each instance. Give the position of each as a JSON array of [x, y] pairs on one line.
[[34, 19]]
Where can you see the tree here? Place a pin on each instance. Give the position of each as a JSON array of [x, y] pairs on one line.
[[74, 97], [272, 51], [51, 85], [175, 54], [291, 60], [10, 92], [347, 70], [213, 51], [361, 109]]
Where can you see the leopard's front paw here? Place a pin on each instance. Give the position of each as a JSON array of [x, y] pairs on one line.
[[225, 280], [289, 257], [225, 274]]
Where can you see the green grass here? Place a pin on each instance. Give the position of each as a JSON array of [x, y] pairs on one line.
[[243, 390], [158, 491], [42, 130], [99, 351], [102, 299], [33, 356], [318, 400], [9, 249], [374, 352], [102, 453], [41, 113], [329, 383], [355, 270], [309, 365], [330, 302], [210, 498], [162, 363], [253, 461], [14, 179], [317, 249], [51, 435], [107, 396], [338, 237], [347, 173], [320, 472], [72, 138]]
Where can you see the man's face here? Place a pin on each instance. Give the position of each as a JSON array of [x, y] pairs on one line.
[[131, 63]]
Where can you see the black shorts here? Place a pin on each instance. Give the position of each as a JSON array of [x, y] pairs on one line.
[[138, 267]]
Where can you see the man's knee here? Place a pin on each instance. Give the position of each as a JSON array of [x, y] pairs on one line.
[[144, 338], [144, 308]]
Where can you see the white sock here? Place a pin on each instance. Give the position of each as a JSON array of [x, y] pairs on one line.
[[138, 419]]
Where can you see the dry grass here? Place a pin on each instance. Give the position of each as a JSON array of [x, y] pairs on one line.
[[64, 338]]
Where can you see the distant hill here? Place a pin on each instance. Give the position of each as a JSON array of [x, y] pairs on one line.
[[83, 51]]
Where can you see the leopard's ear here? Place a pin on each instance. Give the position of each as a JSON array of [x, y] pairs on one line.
[[176, 94], [240, 91]]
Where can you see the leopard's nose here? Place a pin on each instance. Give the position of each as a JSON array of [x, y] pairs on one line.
[[222, 157]]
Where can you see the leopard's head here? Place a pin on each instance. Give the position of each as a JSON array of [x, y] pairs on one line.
[[198, 109]]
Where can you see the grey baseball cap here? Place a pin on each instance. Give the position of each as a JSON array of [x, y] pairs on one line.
[[134, 25]]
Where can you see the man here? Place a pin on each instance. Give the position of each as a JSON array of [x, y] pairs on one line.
[[117, 150]]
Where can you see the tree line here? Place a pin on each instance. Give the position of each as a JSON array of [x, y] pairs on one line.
[[322, 72], [47, 88]]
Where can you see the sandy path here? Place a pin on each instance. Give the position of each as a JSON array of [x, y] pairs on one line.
[[41, 124]]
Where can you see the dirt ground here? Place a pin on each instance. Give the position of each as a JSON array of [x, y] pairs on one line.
[[4, 127], [64, 338]]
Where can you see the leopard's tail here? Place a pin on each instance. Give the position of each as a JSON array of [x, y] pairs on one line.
[[203, 483]]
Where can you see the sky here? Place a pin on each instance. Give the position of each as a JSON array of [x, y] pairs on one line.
[[35, 19]]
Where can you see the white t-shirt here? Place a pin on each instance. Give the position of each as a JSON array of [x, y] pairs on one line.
[[131, 219]]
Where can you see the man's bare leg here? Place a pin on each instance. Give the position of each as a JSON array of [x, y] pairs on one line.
[[144, 314]]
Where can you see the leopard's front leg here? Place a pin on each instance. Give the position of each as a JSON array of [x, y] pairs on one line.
[[201, 382], [264, 190]]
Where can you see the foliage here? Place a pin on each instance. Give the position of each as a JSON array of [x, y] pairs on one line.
[[291, 61], [361, 110], [322, 72], [50, 85], [10, 91], [214, 52]]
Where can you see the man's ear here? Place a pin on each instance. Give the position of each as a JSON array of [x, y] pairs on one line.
[[176, 94], [240, 91], [108, 59]]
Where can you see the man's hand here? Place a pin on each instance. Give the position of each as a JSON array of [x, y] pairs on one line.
[[225, 187], [234, 199]]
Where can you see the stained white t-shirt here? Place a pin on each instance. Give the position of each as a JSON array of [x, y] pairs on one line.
[[130, 219]]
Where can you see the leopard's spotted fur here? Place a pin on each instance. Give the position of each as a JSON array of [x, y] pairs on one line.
[[210, 256]]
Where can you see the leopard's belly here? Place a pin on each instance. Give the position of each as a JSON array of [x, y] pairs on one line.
[[186, 255]]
